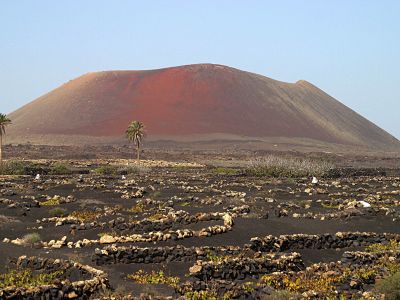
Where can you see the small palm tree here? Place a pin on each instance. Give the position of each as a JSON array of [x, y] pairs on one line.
[[4, 121], [135, 133]]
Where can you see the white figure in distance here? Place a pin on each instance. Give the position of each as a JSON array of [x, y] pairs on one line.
[[314, 180]]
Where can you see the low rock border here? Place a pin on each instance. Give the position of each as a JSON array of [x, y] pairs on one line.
[[62, 290]]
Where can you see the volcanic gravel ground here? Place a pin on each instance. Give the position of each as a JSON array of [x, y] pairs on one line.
[[268, 207]]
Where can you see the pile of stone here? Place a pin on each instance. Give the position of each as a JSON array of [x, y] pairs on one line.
[[234, 194], [213, 230], [136, 193], [19, 204], [61, 288], [242, 267], [172, 219], [320, 241], [147, 237]]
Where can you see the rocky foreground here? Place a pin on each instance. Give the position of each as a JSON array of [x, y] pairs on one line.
[[112, 230]]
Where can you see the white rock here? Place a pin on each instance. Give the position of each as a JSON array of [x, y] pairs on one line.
[[107, 239], [18, 242], [314, 180], [228, 221], [364, 204]]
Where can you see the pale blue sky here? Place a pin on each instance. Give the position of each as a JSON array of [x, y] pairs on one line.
[[349, 48]]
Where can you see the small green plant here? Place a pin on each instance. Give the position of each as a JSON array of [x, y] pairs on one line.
[[51, 202], [106, 170], [85, 215], [58, 212], [393, 245], [226, 171], [390, 287], [138, 208], [26, 278], [156, 217], [154, 278], [114, 170], [19, 167], [329, 205], [60, 169], [31, 238], [201, 295], [211, 256]]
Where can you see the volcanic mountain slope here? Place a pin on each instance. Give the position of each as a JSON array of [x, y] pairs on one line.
[[193, 100]]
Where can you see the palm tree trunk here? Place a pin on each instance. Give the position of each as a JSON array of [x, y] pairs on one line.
[[1, 152], [138, 151]]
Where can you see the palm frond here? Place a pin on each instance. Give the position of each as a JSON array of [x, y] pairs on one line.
[[4, 121]]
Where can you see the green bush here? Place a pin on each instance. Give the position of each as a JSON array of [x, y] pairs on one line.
[[106, 170], [226, 171], [390, 287], [51, 202], [58, 212], [60, 169], [26, 278], [281, 167], [19, 167], [31, 238]]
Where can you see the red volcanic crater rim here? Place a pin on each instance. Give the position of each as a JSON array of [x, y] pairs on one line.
[[190, 100]]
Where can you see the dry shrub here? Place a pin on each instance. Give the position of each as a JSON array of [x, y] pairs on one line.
[[277, 166]]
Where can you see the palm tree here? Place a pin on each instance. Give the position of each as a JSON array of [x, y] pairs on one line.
[[135, 133], [4, 121]]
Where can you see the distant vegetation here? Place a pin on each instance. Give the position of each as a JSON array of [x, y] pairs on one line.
[[31, 238], [60, 169], [120, 170], [19, 167], [135, 133], [226, 171], [276, 166], [58, 212]]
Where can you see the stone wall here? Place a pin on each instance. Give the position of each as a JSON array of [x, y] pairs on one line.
[[242, 267], [132, 254], [321, 241], [60, 289]]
